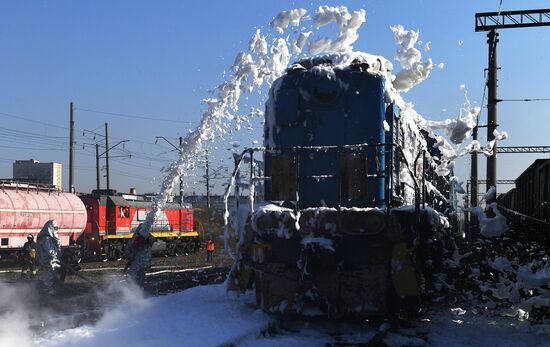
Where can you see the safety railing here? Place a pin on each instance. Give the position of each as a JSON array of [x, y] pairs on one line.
[[391, 151]]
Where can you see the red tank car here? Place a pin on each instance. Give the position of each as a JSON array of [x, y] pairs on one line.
[[25, 208], [113, 217]]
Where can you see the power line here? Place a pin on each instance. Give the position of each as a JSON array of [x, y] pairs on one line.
[[526, 100], [127, 162], [35, 149], [135, 116], [32, 120], [28, 133]]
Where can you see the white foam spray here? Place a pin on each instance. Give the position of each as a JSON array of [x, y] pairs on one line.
[[266, 60], [262, 64]]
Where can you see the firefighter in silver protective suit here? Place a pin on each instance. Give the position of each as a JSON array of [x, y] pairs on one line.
[[138, 250], [48, 253]]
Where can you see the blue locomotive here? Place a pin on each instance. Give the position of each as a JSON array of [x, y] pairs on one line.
[[343, 228]]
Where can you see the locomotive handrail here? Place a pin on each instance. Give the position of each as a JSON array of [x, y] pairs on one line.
[[238, 160], [251, 150], [396, 147], [325, 148]]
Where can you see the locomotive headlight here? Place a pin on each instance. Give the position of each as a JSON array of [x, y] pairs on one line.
[[374, 222], [369, 222]]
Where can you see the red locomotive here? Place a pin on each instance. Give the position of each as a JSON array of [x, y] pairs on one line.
[[112, 218]]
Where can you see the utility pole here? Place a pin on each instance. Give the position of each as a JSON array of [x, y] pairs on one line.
[[181, 178], [97, 165], [207, 182], [71, 149], [473, 174], [107, 154], [492, 40], [491, 21], [180, 151]]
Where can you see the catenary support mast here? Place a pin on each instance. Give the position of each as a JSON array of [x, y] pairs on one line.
[[71, 149], [491, 21]]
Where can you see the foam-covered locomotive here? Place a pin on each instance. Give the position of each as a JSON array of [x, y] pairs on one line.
[[343, 228]]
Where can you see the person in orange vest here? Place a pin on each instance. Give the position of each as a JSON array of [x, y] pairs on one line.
[[209, 249]]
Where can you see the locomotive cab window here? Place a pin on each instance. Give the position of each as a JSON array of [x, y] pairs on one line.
[[353, 176], [124, 212], [5, 241], [284, 178]]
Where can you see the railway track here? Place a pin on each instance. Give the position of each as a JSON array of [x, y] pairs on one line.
[[168, 281]]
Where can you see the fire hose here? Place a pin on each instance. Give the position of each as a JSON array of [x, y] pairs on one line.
[[75, 272]]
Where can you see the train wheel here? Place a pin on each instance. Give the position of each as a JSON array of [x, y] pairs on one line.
[[171, 248], [189, 247], [112, 251]]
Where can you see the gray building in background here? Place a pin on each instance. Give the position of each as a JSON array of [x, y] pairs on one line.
[[36, 172]]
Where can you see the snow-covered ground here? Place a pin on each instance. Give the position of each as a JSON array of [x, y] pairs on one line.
[[208, 316]]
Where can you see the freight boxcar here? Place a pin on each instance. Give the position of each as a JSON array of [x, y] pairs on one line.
[[508, 199], [544, 191], [25, 208], [113, 217], [532, 190]]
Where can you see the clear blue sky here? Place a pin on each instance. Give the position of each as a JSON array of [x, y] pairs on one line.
[[159, 58]]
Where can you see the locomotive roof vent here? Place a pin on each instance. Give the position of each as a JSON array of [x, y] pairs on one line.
[[104, 192], [310, 63]]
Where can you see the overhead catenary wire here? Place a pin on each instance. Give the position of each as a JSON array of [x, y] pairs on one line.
[[526, 99], [32, 120], [130, 162], [126, 115]]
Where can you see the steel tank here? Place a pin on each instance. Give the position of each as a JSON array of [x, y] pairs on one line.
[[25, 208]]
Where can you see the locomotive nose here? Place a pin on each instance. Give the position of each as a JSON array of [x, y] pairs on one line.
[[326, 87]]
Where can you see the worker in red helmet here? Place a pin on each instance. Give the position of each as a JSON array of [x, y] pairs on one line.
[[138, 250], [48, 253], [28, 256], [209, 249]]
